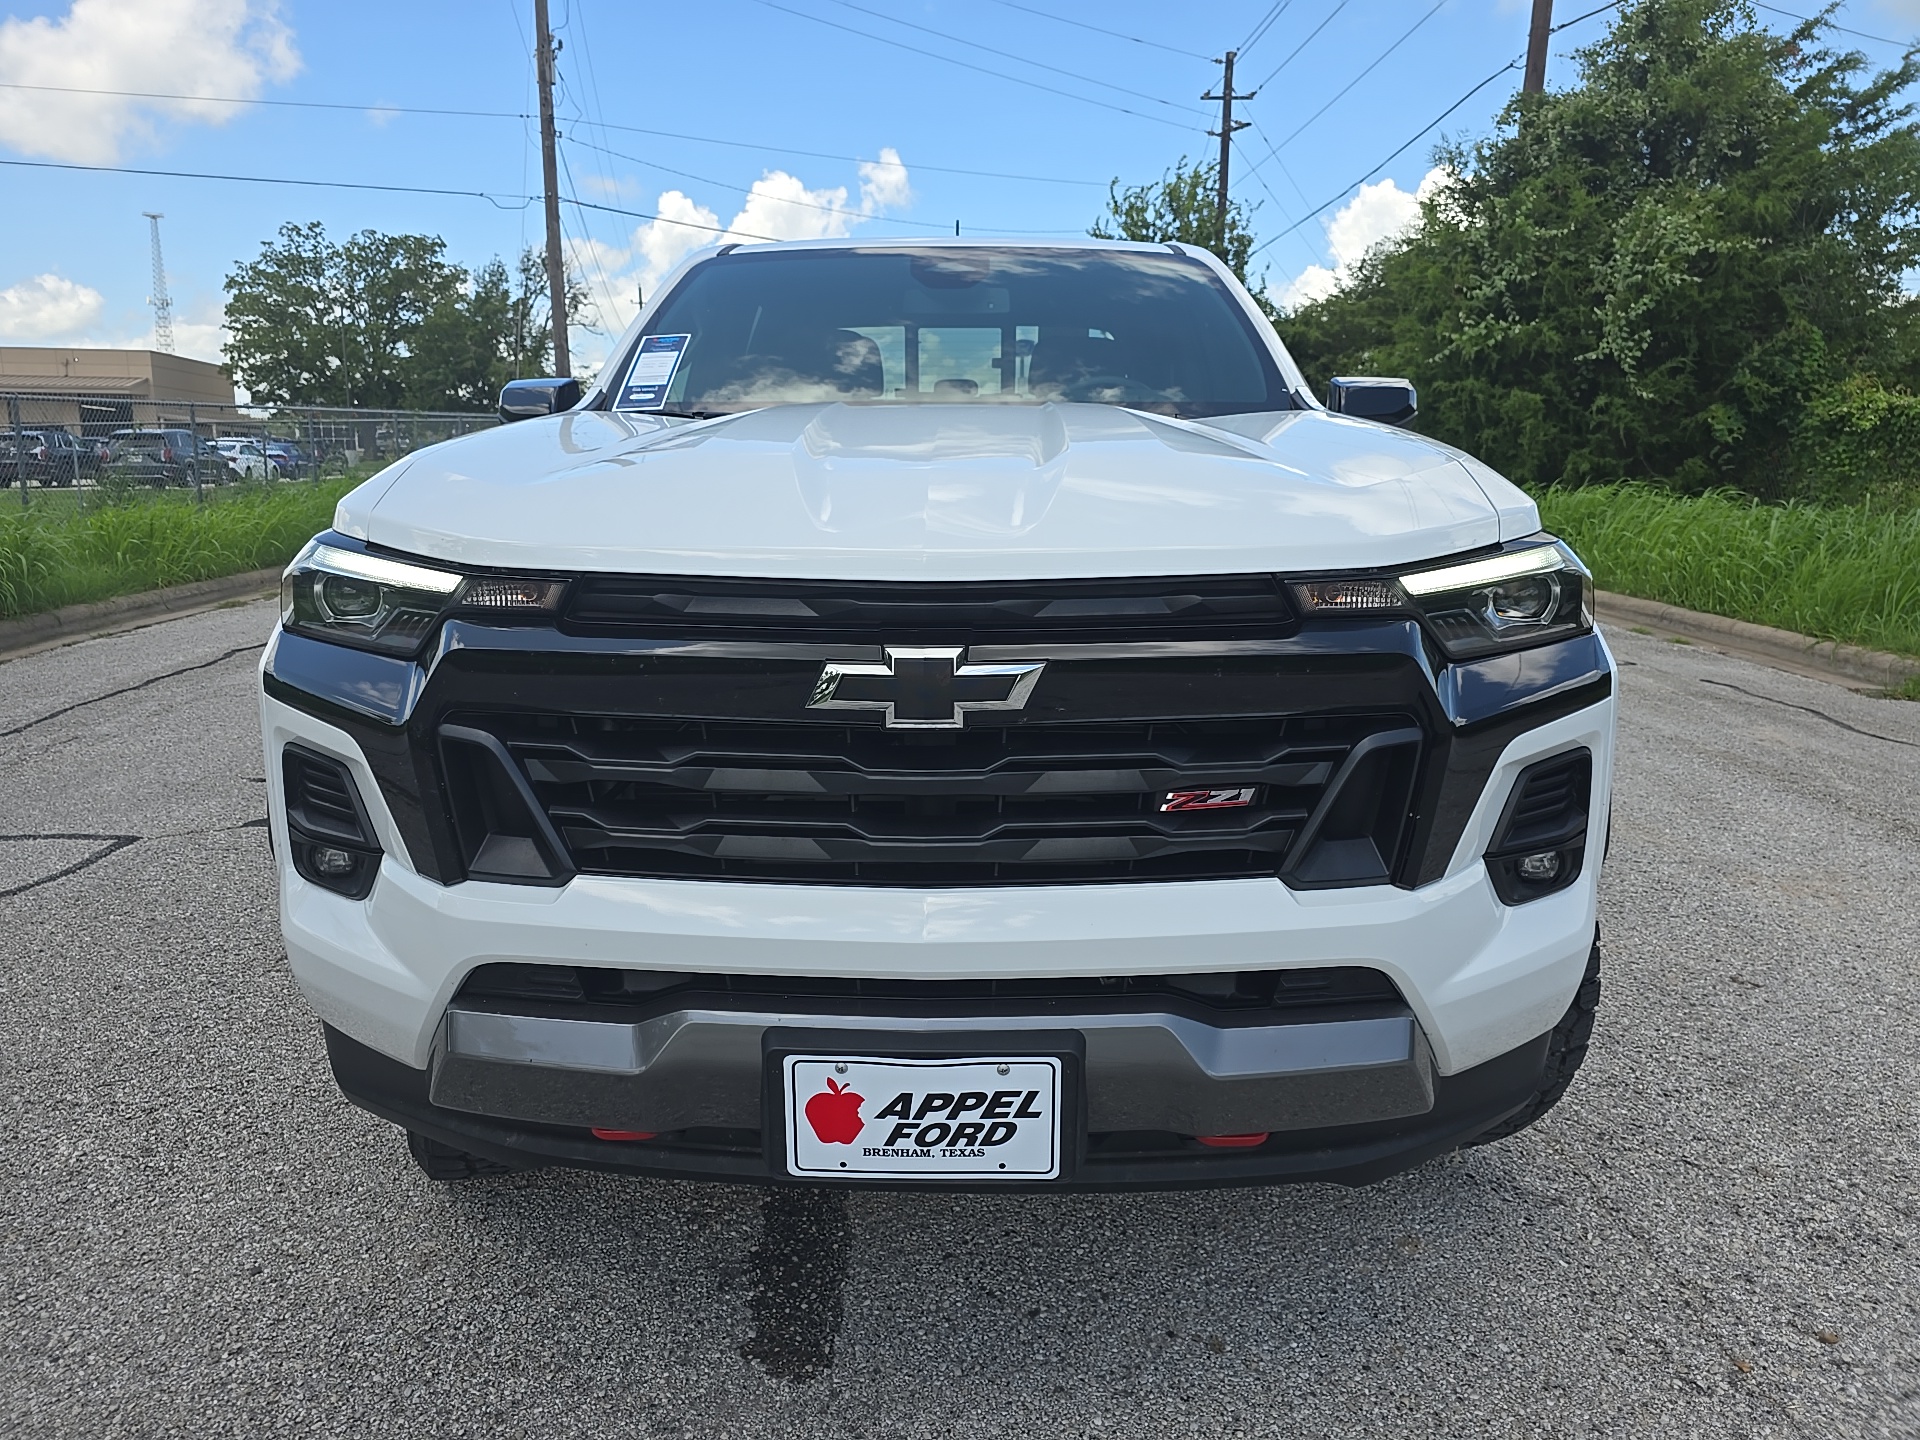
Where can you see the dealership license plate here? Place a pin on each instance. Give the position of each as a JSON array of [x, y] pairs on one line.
[[853, 1116]]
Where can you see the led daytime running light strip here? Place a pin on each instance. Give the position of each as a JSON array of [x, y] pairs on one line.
[[384, 572], [1540, 560]]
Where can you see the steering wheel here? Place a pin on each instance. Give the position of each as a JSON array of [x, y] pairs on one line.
[[1110, 389]]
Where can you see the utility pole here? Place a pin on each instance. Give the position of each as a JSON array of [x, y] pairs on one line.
[[550, 169], [161, 301], [1228, 125], [1536, 79]]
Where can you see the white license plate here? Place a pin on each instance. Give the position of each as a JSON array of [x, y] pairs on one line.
[[851, 1115]]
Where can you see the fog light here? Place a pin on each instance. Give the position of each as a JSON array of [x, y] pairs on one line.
[[1540, 869], [329, 861]]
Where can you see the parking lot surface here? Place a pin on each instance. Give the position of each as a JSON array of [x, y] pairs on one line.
[[1717, 1233]]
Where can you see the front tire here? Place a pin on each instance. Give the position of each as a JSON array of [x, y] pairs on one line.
[[443, 1162], [1565, 1050]]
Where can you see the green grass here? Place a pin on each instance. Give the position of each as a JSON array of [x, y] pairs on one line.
[[56, 552], [1848, 573]]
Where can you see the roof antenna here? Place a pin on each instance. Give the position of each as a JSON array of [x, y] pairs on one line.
[[956, 229]]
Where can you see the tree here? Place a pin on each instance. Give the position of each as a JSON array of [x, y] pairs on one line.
[[385, 321], [1182, 206], [1658, 272], [318, 323]]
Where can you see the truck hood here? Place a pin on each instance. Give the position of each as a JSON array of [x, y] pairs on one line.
[[926, 492]]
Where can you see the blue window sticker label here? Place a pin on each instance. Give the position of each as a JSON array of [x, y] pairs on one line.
[[652, 372]]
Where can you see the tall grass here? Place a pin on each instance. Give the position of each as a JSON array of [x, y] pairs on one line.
[[54, 554], [1847, 573]]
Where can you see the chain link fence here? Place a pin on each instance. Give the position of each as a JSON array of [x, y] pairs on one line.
[[116, 445]]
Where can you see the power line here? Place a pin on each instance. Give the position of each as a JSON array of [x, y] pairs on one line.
[[1809, 20], [1099, 30], [1303, 44], [967, 64], [1407, 145], [526, 115], [1017, 59], [496, 198], [1264, 24], [742, 189], [1405, 36]]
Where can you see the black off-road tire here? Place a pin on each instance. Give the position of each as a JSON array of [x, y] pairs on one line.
[[443, 1162], [1565, 1051]]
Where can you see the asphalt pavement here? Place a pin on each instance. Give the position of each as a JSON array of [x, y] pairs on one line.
[[1717, 1233]]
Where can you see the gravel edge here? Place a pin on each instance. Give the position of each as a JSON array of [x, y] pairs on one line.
[[125, 612]]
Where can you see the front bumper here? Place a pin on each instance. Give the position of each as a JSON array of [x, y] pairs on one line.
[[1354, 1153]]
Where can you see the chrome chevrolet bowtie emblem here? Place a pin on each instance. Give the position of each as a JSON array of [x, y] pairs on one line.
[[925, 689]]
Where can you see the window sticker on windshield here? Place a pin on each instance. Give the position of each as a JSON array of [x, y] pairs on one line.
[[652, 372]]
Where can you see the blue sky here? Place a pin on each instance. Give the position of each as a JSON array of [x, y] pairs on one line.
[[828, 127]]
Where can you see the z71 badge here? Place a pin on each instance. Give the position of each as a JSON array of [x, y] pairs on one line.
[[1230, 799]]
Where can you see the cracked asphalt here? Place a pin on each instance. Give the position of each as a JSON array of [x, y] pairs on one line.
[[1717, 1233]]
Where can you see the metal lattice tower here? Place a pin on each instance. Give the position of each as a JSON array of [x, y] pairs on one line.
[[162, 302]]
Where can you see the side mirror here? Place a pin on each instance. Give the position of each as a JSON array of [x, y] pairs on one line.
[[528, 399], [1369, 397]]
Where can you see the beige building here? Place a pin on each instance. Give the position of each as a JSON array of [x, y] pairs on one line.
[[95, 392]]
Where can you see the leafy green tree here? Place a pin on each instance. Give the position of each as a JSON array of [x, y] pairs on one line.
[[385, 321], [1182, 205], [315, 322], [1662, 272]]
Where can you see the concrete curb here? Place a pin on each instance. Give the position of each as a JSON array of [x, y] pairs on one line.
[[1822, 659], [126, 612]]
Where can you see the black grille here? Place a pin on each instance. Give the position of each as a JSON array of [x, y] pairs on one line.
[[857, 804], [1232, 606], [1250, 991]]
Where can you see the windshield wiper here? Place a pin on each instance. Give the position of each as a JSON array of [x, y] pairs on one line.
[[684, 414]]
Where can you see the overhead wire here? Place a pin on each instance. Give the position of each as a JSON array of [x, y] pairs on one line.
[[1411, 140], [1018, 59], [499, 199], [1264, 24], [1101, 30], [1843, 29], [1377, 61], [1400, 150], [525, 116], [969, 65], [1303, 44], [841, 210]]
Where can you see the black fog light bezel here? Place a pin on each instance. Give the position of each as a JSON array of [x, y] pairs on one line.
[[1516, 837], [312, 829]]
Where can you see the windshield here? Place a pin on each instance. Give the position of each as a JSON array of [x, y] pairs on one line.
[[1156, 332]]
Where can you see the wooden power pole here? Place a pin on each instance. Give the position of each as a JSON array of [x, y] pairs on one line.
[[1536, 79], [1228, 125], [550, 168]]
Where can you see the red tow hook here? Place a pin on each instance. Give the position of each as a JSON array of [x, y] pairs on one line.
[[600, 1134], [1233, 1142]]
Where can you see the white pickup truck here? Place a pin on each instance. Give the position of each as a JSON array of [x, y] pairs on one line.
[[954, 714]]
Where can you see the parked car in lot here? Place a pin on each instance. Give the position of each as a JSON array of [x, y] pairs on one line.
[[247, 458], [288, 455], [46, 457], [944, 714], [166, 457]]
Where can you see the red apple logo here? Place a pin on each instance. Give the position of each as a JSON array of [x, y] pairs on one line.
[[835, 1115]]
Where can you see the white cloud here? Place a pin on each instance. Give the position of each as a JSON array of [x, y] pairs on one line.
[[47, 307], [195, 47], [780, 206], [1378, 213]]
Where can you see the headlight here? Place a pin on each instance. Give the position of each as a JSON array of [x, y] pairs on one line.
[[364, 600], [1534, 592]]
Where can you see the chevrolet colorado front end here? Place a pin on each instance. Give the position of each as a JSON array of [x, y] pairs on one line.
[[951, 714]]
